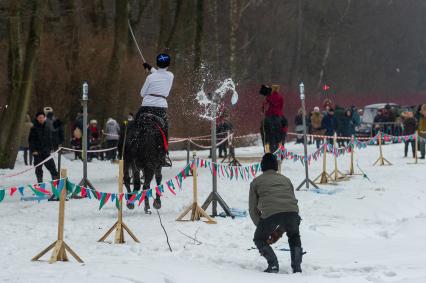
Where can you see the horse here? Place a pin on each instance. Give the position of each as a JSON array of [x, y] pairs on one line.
[[144, 150], [272, 132]]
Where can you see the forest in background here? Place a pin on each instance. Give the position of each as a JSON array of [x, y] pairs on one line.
[[366, 51]]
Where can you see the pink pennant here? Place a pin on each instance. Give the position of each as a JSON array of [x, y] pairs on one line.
[[157, 190], [13, 190], [142, 197], [83, 192], [41, 190]]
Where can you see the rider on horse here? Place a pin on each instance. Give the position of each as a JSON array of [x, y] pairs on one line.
[[154, 92], [273, 123]]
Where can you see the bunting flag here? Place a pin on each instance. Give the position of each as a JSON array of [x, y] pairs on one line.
[[2, 193], [12, 191], [104, 199]]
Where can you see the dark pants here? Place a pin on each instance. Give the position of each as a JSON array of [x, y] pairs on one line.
[[413, 148], [28, 156], [50, 165], [156, 111], [422, 148], [112, 154], [318, 142], [289, 221]]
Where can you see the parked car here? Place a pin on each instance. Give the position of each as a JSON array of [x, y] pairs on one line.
[[367, 118]]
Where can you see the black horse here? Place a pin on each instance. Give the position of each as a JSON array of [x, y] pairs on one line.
[[144, 150], [272, 132]]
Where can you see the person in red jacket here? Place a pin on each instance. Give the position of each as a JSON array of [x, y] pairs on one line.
[[272, 125]]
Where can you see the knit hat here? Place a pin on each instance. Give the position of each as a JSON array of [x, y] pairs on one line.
[[316, 109], [269, 162], [423, 107]]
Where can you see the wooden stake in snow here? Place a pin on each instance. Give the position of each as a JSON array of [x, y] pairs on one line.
[[381, 161], [59, 246], [196, 211], [119, 226]]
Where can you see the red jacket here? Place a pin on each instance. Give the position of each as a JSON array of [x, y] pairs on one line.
[[274, 105]]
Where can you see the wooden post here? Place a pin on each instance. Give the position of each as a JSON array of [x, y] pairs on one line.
[[381, 160], [119, 226], [324, 177], [196, 211], [338, 176], [59, 246]]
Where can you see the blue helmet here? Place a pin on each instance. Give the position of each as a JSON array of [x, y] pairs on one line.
[[163, 60]]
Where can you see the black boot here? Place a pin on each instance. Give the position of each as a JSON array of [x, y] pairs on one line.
[[271, 258], [296, 258]]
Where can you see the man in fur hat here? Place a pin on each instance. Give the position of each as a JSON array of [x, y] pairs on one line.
[[273, 209]]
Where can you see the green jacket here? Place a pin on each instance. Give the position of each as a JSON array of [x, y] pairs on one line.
[[271, 193]]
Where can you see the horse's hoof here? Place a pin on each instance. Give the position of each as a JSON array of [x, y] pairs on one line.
[[130, 205], [157, 203], [148, 211]]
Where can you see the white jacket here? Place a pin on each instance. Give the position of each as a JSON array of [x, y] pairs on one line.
[[159, 82]]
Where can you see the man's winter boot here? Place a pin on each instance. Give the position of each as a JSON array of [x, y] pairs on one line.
[[271, 258], [296, 259]]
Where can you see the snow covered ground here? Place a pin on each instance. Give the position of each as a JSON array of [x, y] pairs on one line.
[[363, 231]]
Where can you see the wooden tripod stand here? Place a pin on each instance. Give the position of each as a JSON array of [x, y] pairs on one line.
[[196, 211], [324, 177], [337, 175], [381, 161], [351, 166], [119, 226], [59, 246]]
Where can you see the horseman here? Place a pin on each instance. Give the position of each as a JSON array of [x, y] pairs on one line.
[[272, 126], [154, 92]]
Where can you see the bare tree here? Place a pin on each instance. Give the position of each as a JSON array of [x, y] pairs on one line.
[[22, 71]]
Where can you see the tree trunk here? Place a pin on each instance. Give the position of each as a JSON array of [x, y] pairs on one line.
[[72, 52], [112, 81], [199, 27], [22, 80], [233, 10]]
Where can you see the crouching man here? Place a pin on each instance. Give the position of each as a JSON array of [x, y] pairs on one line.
[[273, 209]]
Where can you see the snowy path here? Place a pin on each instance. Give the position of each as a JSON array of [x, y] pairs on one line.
[[365, 232]]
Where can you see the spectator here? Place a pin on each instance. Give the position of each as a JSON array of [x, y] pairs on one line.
[[26, 128], [40, 143], [112, 134], [329, 124], [56, 126], [379, 121], [298, 121], [316, 125], [223, 127], [410, 127], [347, 126], [94, 137]]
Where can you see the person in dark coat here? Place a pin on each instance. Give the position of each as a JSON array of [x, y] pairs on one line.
[[41, 144], [329, 123], [273, 209], [410, 127], [347, 127], [57, 128], [379, 122]]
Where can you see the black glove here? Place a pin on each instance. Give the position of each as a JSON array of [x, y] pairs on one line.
[[147, 66]]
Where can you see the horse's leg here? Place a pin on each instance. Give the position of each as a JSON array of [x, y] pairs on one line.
[[126, 181], [149, 175], [158, 178]]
